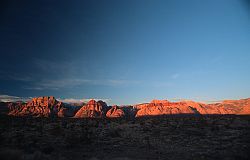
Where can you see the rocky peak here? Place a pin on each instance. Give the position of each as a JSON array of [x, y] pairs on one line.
[[115, 112], [92, 109], [39, 106], [92, 102], [42, 101], [48, 106], [156, 101]]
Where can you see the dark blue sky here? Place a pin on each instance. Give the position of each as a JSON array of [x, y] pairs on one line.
[[127, 51]]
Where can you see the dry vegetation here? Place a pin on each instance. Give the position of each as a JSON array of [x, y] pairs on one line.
[[165, 137]]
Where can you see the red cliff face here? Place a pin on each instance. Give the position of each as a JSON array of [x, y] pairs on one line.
[[92, 109], [49, 106], [158, 107], [38, 107], [115, 112], [241, 106], [15, 108]]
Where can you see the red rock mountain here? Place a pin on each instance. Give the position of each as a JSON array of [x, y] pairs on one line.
[[163, 107], [115, 112], [92, 109], [38, 107], [49, 106]]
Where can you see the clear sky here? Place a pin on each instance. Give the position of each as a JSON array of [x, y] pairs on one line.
[[126, 51]]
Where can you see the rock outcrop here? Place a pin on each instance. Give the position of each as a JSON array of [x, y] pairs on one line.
[[159, 107], [38, 107], [15, 108], [115, 112], [241, 106], [163, 107], [49, 106], [92, 109]]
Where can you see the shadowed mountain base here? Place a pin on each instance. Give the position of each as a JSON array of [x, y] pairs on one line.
[[162, 137]]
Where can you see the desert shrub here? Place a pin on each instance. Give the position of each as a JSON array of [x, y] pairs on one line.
[[37, 156], [55, 130], [11, 154], [114, 132]]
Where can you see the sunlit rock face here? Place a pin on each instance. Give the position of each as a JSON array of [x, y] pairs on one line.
[[159, 107], [241, 106], [15, 108], [115, 112], [92, 109], [156, 101], [225, 107], [163, 107], [38, 107], [245, 107], [49, 106]]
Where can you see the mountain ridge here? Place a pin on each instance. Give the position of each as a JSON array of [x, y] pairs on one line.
[[49, 106]]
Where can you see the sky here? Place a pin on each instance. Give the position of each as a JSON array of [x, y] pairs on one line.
[[125, 51]]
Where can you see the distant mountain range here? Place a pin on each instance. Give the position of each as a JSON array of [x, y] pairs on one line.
[[48, 106]]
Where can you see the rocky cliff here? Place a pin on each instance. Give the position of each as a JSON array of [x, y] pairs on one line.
[[115, 112], [49, 106], [92, 109], [37, 107], [163, 107]]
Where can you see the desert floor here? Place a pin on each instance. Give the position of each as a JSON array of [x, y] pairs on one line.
[[165, 137]]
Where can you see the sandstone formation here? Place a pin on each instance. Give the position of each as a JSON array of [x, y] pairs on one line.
[[163, 107], [115, 112], [38, 107], [92, 109], [237, 106], [49, 106], [15, 108]]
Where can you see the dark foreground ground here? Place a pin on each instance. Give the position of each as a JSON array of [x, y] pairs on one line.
[[168, 137]]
